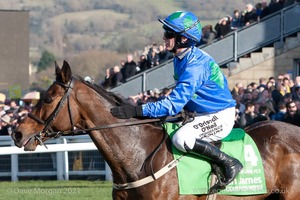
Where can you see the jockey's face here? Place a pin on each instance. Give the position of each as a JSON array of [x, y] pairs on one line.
[[169, 43]]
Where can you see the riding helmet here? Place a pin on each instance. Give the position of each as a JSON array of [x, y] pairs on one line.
[[185, 24]]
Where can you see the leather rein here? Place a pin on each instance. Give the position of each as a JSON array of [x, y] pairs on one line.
[[47, 131]]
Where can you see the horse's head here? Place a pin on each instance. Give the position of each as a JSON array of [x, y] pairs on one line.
[[50, 113]]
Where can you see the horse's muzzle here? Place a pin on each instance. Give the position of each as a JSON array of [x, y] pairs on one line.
[[17, 137]]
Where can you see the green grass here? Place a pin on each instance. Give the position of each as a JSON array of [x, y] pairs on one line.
[[53, 190]]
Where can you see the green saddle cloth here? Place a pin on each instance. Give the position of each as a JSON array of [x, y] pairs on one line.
[[194, 174]]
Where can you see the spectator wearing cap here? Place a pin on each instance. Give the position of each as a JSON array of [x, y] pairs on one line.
[[156, 93], [88, 79], [6, 128], [223, 27]]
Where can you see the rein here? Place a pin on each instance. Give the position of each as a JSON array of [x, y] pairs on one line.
[[57, 134], [47, 131], [115, 125]]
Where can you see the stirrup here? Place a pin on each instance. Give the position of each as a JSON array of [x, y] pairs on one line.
[[216, 188], [219, 185]]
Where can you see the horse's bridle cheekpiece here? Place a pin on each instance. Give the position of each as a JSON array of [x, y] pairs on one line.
[[47, 130]]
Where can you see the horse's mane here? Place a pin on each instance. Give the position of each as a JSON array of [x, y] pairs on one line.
[[114, 98]]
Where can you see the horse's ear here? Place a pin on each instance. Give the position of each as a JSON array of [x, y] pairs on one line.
[[65, 73], [57, 68]]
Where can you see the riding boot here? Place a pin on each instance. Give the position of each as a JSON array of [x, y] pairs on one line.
[[231, 165]]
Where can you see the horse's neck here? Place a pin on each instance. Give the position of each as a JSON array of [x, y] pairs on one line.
[[123, 148]]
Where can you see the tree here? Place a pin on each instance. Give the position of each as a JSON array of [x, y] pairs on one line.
[[47, 59]]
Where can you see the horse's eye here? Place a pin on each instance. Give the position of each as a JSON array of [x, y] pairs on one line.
[[48, 99]]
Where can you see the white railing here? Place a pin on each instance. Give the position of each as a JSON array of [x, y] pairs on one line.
[[60, 147]]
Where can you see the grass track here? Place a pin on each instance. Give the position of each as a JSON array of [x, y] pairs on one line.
[[54, 190]]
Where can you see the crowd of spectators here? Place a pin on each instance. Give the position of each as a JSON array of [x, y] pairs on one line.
[[11, 113], [242, 18], [268, 99], [157, 54]]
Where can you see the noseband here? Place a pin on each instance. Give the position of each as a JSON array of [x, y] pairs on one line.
[[47, 130]]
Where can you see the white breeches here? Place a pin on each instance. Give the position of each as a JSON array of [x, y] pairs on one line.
[[208, 127]]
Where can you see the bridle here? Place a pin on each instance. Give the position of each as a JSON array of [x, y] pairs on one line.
[[47, 131]]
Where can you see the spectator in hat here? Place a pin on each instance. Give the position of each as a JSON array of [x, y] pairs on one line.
[[88, 79], [223, 27], [156, 93], [6, 128]]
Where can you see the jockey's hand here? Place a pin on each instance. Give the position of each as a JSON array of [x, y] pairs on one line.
[[127, 111]]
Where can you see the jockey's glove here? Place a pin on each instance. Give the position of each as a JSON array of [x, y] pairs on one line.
[[127, 111]]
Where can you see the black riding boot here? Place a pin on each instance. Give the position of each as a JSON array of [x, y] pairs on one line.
[[231, 165]]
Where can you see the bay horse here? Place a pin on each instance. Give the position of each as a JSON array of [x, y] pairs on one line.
[[71, 102]]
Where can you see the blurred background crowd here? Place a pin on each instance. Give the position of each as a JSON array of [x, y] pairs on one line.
[[156, 54], [269, 98]]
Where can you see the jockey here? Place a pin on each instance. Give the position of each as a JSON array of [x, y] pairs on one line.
[[200, 88]]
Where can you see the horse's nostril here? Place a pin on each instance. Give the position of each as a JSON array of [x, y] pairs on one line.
[[17, 136]]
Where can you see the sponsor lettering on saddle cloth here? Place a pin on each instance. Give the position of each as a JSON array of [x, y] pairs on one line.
[[194, 174]]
